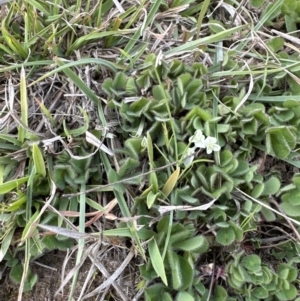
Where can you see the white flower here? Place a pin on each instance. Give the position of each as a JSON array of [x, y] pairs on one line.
[[198, 139], [211, 145], [189, 156]]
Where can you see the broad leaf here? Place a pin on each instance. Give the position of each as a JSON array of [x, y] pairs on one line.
[[280, 141], [157, 261]]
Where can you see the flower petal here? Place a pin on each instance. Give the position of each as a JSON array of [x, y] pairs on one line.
[[189, 156], [211, 145]]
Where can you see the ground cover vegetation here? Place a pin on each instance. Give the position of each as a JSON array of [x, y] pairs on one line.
[[165, 129]]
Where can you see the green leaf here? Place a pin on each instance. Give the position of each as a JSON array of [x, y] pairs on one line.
[[17, 204], [125, 232], [38, 160], [203, 114], [16, 275], [151, 198], [131, 88], [288, 272], [107, 86], [257, 190], [153, 291], [260, 293], [220, 293], [190, 46], [268, 214], [94, 204], [150, 150], [271, 187], [134, 146], [81, 130], [192, 244], [128, 166], [153, 182], [166, 297], [8, 186], [171, 182], [216, 26], [290, 210], [119, 82], [280, 141], [181, 270], [292, 197], [158, 93], [225, 157], [252, 263], [184, 296], [289, 7], [256, 3], [275, 44], [114, 177], [238, 231], [241, 169], [5, 243], [13, 44], [249, 126], [157, 261], [287, 294], [225, 236]]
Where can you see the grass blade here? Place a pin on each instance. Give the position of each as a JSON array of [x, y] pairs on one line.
[[190, 46]]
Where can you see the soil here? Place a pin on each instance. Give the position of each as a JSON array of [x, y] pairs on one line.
[[49, 269]]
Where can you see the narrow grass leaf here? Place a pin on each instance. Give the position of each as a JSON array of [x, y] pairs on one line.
[[125, 232], [192, 45], [95, 205], [5, 242], [272, 99], [203, 11], [150, 150], [37, 5], [157, 261], [66, 65], [24, 106], [171, 182], [81, 41], [28, 228], [46, 112], [9, 186], [151, 198], [16, 204], [38, 160], [139, 32], [78, 82], [12, 42]]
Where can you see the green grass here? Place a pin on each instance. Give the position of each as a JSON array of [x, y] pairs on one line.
[[100, 101]]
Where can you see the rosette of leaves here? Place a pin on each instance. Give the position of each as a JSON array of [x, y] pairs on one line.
[[255, 281], [247, 126], [275, 131], [141, 99], [216, 180], [70, 173], [176, 268]]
